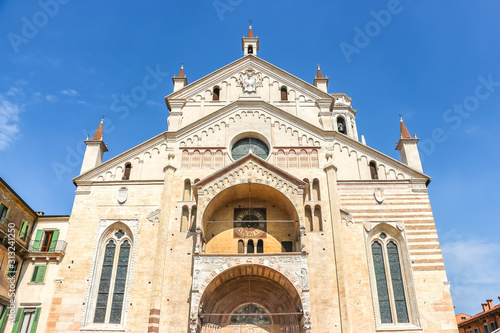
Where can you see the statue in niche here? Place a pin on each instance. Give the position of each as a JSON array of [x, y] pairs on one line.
[[304, 282]]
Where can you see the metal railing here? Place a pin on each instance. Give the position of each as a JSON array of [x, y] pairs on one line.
[[53, 247]]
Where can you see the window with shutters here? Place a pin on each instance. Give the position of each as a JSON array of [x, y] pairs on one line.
[[112, 277], [390, 277], [24, 230], [45, 241], [26, 320], [3, 317], [38, 275], [4, 210]]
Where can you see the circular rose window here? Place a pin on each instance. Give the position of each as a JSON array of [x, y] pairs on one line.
[[244, 146]]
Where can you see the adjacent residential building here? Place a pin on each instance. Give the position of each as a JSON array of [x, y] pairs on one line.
[[39, 274], [16, 224], [486, 321]]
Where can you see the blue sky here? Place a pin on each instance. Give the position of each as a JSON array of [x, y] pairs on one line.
[[64, 63]]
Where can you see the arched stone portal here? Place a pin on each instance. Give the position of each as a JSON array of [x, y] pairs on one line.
[[251, 298], [250, 269]]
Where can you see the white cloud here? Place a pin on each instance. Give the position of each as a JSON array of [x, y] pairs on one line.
[[473, 267], [70, 92], [9, 122], [51, 98]]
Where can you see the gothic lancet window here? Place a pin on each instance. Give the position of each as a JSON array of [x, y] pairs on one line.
[[390, 279], [112, 277]]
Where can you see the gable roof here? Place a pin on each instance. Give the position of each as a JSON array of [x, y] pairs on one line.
[[234, 67]]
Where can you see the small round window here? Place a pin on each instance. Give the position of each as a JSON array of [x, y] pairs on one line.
[[244, 146]]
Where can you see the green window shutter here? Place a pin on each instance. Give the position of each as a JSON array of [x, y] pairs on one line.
[[40, 276], [4, 211], [35, 273], [35, 320], [38, 239], [3, 318], [17, 322], [24, 228], [53, 242]]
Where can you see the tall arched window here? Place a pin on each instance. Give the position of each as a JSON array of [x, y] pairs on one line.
[[373, 170], [391, 280], [341, 125], [113, 264], [284, 93], [250, 247], [216, 93], [187, 190], [260, 246], [241, 246], [250, 49], [126, 174]]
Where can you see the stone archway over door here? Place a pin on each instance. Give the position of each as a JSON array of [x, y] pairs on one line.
[[251, 298]]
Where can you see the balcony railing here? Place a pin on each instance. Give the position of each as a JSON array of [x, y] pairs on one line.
[[54, 247]]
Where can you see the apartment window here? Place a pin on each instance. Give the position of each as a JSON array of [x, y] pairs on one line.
[[26, 320], [113, 277], [45, 240], [38, 275], [12, 271], [4, 210]]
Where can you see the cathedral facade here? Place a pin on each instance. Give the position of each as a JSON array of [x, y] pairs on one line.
[[258, 210]]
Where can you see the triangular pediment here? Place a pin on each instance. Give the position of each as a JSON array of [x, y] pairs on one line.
[[231, 72], [252, 165]]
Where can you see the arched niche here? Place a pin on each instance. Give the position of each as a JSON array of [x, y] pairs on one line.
[[219, 216], [269, 288]]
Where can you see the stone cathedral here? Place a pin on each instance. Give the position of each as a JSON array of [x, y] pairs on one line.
[[258, 210]]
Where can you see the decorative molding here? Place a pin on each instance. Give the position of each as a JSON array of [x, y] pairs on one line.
[[154, 216]]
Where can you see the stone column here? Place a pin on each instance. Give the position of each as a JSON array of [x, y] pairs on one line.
[[340, 266], [160, 253]]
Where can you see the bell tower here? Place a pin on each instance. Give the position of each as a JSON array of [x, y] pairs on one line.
[[250, 44], [94, 151]]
